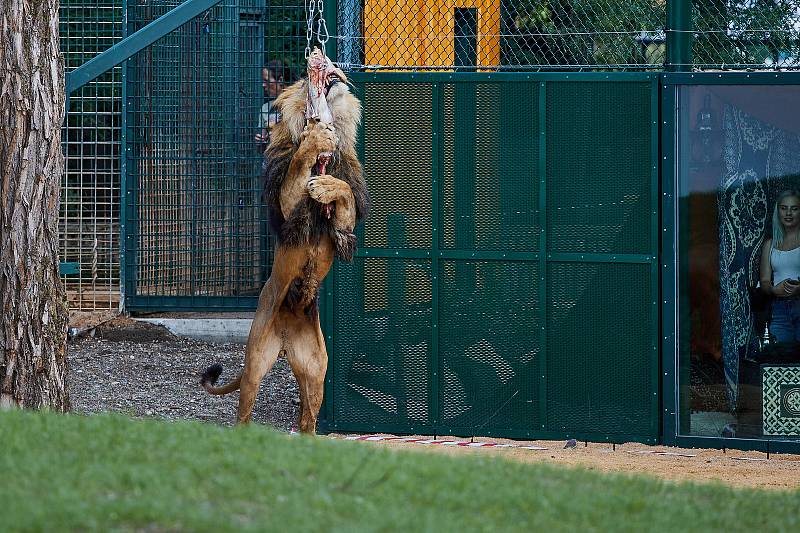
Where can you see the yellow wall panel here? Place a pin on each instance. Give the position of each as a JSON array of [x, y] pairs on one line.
[[421, 33]]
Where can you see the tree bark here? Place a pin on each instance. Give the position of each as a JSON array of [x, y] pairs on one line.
[[34, 322]]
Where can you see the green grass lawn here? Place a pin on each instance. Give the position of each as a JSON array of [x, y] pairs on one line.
[[113, 473]]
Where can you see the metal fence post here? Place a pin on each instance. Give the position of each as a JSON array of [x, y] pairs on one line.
[[679, 35], [333, 29]]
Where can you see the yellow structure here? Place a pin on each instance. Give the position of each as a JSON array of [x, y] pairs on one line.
[[421, 33]]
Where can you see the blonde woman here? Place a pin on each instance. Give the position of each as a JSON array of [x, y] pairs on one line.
[[780, 268]]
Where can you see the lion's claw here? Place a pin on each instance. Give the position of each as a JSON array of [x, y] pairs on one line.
[[323, 189]]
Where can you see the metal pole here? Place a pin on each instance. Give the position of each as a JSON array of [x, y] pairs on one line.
[[679, 35], [330, 20]]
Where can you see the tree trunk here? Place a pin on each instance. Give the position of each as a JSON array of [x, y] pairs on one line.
[[34, 322]]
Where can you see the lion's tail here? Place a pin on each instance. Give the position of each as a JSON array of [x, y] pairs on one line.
[[209, 378]]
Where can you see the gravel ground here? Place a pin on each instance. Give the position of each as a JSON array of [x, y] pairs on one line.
[[142, 370]]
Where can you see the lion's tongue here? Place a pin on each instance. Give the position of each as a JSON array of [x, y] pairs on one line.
[[327, 210], [322, 164]]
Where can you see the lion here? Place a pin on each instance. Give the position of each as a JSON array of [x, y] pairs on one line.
[[315, 192]]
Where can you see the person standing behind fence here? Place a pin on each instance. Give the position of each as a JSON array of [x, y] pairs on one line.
[[275, 77], [780, 268]]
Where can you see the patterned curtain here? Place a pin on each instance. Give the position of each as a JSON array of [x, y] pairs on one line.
[[760, 161]]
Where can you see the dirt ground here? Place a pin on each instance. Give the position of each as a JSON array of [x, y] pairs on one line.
[[733, 467], [143, 370]]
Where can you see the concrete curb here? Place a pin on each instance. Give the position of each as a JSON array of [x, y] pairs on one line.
[[224, 330]]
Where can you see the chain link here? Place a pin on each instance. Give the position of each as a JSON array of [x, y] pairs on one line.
[[312, 8], [322, 26]]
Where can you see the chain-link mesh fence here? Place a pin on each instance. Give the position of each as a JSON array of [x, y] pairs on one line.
[[502, 34], [563, 34], [89, 216], [756, 34]]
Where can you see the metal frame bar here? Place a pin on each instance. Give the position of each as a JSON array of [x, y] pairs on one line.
[[669, 255], [124, 192], [437, 183], [135, 42], [655, 280], [495, 431], [541, 171]]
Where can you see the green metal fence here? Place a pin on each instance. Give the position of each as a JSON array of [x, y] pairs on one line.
[[196, 226], [506, 281]]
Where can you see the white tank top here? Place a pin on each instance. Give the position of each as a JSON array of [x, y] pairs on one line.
[[785, 265]]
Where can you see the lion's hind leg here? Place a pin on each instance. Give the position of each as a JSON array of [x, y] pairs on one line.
[[264, 343], [260, 357], [309, 360]]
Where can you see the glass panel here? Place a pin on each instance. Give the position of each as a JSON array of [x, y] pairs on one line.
[[739, 372]]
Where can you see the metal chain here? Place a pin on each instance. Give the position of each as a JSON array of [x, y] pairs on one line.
[[309, 25], [322, 26], [316, 7]]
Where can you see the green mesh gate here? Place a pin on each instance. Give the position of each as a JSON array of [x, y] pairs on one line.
[[196, 227], [506, 281]]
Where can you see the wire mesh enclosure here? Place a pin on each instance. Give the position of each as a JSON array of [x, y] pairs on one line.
[[507, 278], [198, 115], [502, 34], [752, 34], [194, 95], [89, 217]]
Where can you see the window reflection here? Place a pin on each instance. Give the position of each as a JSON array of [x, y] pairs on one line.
[[740, 255]]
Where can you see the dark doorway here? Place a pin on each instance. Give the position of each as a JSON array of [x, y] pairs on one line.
[[465, 38]]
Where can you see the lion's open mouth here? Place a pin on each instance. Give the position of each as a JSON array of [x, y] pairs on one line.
[[331, 80], [323, 160]]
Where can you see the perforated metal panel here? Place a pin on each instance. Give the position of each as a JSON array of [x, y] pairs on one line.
[[488, 344], [490, 192], [382, 344], [453, 319], [600, 348], [397, 162], [599, 164]]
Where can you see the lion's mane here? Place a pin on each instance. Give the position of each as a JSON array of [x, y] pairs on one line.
[[307, 222]]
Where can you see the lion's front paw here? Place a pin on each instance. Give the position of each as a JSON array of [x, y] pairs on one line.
[[320, 137], [325, 189]]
